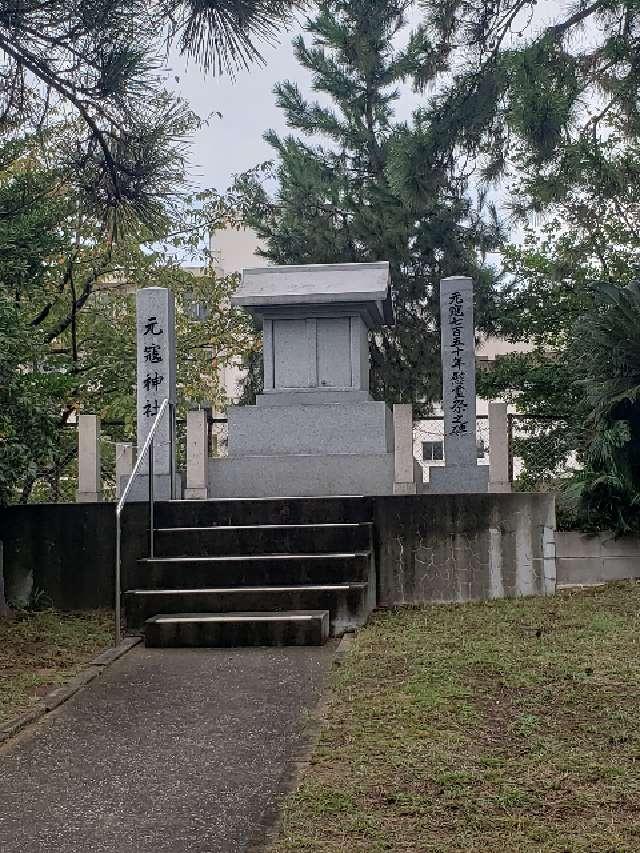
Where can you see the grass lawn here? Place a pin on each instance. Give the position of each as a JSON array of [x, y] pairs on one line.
[[506, 726], [39, 651]]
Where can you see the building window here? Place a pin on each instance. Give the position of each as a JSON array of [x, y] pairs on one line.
[[432, 451], [480, 449]]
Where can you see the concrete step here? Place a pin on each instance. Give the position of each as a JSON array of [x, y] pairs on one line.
[[227, 630], [243, 511], [250, 570], [253, 539], [349, 604]]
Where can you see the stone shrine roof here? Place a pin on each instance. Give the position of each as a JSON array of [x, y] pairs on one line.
[[318, 284]]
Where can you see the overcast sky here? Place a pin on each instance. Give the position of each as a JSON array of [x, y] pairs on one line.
[[233, 143]]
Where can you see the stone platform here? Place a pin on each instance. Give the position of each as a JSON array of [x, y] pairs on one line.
[[458, 479], [346, 428], [301, 475], [306, 449]]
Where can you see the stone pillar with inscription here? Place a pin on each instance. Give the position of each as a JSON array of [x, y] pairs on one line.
[[461, 472], [156, 381]]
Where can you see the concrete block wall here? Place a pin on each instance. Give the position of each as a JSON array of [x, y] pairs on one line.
[[583, 559], [443, 548], [67, 551]]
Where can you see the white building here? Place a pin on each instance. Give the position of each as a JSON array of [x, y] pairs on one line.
[[231, 251]]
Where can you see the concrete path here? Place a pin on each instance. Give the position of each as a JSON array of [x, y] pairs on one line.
[[170, 750]]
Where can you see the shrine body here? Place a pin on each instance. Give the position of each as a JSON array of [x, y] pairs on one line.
[[315, 430]]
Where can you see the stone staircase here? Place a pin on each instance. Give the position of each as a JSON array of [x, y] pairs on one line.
[[254, 572]]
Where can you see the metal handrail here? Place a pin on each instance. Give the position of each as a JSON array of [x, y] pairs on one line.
[[147, 448]]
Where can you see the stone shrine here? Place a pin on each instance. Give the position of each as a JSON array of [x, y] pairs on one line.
[[461, 472], [315, 430]]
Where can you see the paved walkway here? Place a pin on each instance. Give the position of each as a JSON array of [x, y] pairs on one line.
[[170, 750]]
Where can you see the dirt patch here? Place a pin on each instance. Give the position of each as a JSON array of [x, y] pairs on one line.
[[40, 651]]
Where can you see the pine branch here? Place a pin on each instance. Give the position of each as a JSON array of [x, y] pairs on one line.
[[85, 293], [558, 30], [23, 58]]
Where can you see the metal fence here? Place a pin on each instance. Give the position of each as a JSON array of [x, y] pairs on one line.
[[59, 484], [428, 441], [218, 436], [542, 450], [112, 433]]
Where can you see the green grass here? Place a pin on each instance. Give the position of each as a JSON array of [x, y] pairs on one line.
[[39, 651], [504, 726]]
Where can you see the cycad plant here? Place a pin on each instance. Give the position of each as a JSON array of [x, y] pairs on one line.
[[608, 340]]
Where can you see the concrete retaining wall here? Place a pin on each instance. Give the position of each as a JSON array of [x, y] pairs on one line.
[[596, 559], [429, 548], [67, 551], [464, 547]]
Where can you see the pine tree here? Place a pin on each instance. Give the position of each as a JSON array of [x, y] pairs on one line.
[[545, 94], [344, 196], [98, 61]]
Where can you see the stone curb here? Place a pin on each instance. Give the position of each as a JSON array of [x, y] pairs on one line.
[[266, 834], [63, 693], [343, 649]]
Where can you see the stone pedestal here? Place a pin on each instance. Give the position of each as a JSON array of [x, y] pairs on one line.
[[197, 456], [314, 431], [162, 490], [89, 478], [309, 427]]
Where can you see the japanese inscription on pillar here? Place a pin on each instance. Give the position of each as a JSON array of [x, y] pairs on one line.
[[458, 371], [153, 358], [155, 327]]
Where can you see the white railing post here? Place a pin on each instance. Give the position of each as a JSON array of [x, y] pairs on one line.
[[146, 452], [404, 464], [499, 448], [197, 456], [89, 481]]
